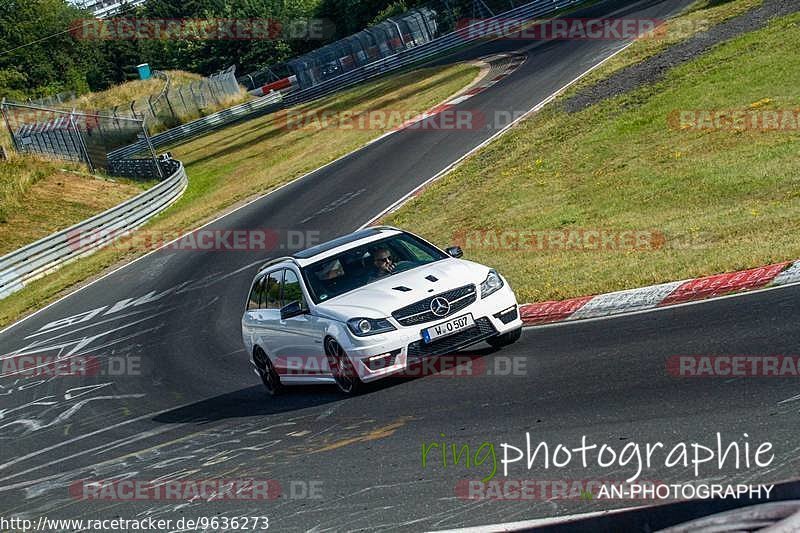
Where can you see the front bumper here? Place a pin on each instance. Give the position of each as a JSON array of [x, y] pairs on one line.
[[391, 353]]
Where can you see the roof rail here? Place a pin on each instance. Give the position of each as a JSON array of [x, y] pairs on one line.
[[386, 227], [276, 261]]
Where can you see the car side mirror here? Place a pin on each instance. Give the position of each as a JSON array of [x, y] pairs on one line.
[[455, 251], [292, 309]]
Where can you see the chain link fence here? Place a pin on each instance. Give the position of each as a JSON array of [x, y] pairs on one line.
[[72, 136], [395, 34], [55, 100], [180, 103]]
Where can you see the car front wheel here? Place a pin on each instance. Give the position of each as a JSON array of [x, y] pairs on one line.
[[344, 373], [505, 339]]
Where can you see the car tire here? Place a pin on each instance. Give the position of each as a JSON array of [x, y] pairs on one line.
[[342, 369], [266, 371], [505, 339]]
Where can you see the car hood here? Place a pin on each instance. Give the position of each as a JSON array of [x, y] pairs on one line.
[[379, 298]]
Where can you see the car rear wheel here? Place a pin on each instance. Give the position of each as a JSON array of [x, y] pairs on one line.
[[344, 373], [505, 339], [266, 371]]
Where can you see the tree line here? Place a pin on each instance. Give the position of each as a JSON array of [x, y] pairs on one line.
[[52, 46]]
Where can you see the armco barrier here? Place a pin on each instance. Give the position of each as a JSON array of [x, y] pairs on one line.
[[192, 129], [440, 46], [46, 255], [402, 60]]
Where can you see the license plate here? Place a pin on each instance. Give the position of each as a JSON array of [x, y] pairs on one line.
[[454, 325]]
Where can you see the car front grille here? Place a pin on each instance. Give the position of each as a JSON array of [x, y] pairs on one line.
[[482, 329], [420, 312]]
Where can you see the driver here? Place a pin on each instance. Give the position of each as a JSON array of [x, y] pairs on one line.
[[382, 263]]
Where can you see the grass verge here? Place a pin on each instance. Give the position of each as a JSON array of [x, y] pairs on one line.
[[719, 200], [698, 17], [251, 158], [39, 197], [181, 109]]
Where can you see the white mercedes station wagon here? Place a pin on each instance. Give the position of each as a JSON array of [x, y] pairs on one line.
[[366, 305]]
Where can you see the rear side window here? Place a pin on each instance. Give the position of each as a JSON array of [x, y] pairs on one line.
[[273, 290], [255, 293]]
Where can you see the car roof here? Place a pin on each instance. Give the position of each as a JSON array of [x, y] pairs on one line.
[[334, 246]]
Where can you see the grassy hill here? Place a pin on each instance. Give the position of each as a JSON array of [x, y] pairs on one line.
[[711, 199]]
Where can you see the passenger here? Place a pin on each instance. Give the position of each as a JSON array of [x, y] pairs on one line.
[[331, 273]]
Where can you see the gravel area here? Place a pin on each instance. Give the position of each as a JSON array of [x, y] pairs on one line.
[[655, 68]]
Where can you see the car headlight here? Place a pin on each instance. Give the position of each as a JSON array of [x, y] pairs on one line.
[[491, 284], [363, 327]]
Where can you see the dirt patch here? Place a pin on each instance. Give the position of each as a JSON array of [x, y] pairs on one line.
[[655, 68]]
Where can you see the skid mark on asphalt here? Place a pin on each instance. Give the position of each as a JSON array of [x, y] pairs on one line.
[[375, 434]]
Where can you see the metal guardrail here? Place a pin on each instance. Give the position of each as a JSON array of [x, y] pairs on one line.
[[192, 129], [33, 261], [438, 47]]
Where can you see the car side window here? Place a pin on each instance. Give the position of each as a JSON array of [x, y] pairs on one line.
[[416, 253], [255, 294], [273, 290], [292, 292]]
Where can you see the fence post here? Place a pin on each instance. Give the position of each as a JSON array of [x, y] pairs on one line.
[[211, 90], [185, 107], [194, 99], [8, 124], [399, 32], [152, 150], [80, 140], [150, 104], [169, 105]]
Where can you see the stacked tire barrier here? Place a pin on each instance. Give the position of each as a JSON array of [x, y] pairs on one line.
[[44, 256]]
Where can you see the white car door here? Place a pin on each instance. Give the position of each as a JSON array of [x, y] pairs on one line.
[[306, 355], [268, 314]]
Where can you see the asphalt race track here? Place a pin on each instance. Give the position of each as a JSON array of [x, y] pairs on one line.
[[191, 408]]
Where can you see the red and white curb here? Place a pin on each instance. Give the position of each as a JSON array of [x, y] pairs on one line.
[[662, 295], [503, 65]]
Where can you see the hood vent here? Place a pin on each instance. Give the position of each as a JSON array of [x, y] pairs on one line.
[[401, 289], [432, 278]]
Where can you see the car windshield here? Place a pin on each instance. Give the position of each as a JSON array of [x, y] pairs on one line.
[[364, 264]]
